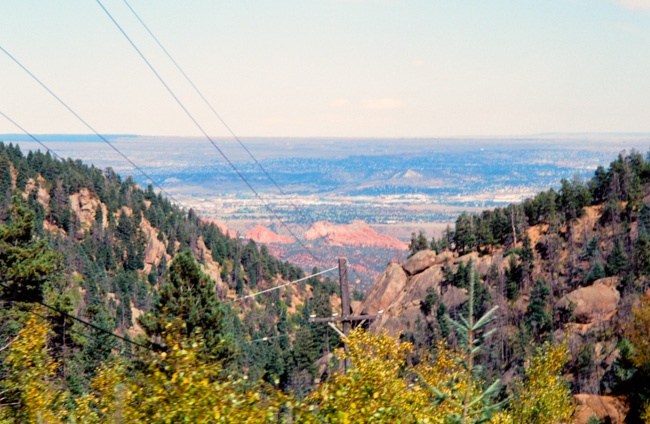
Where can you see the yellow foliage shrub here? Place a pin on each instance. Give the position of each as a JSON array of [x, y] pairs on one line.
[[29, 392]]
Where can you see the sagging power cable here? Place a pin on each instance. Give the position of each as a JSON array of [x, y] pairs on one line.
[[216, 114], [283, 285], [85, 123], [205, 134], [89, 324]]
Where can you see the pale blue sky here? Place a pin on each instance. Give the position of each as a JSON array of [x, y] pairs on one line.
[[339, 68]]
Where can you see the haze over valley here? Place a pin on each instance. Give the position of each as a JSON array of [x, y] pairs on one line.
[[368, 195]]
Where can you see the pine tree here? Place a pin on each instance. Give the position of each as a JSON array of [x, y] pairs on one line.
[[418, 243], [591, 251], [642, 253], [475, 408], [596, 273], [538, 319], [26, 264], [616, 260], [187, 303], [6, 182], [464, 236], [644, 217], [514, 275]]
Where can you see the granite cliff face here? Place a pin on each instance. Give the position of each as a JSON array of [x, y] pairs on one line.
[[401, 289]]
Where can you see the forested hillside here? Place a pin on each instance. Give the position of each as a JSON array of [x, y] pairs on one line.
[[109, 246], [121, 307], [569, 265]]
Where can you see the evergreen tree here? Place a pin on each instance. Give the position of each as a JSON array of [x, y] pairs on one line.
[[597, 272], [591, 250], [418, 243], [26, 264], [6, 182], [188, 302], [514, 275], [642, 253], [464, 236], [538, 319], [474, 407], [616, 260], [611, 210], [441, 312], [644, 217]]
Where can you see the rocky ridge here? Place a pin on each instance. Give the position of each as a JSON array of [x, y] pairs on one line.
[[399, 293]]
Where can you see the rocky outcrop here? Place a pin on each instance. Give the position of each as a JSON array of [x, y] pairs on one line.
[[155, 249], [425, 259], [594, 304], [356, 234], [416, 290], [261, 234], [608, 409], [399, 291], [42, 195], [384, 290], [84, 204]]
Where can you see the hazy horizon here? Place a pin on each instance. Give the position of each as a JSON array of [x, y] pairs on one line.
[[339, 68]]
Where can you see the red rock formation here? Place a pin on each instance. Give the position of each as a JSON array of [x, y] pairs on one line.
[[261, 234], [593, 304], [356, 234], [607, 408], [384, 290]]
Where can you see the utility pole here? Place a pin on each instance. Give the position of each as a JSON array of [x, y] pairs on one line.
[[346, 311]]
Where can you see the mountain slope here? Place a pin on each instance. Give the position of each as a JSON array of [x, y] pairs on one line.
[[117, 242]]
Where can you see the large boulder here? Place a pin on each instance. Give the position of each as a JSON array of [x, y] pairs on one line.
[[608, 409], [593, 304], [416, 289], [453, 297], [384, 290], [425, 259]]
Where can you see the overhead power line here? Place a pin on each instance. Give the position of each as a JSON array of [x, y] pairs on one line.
[[284, 285], [205, 134], [26, 309], [264, 339], [32, 137], [218, 116], [79, 319], [87, 124]]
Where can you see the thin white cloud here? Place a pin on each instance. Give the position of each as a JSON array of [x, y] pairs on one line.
[[417, 62], [382, 104], [635, 4], [339, 102]]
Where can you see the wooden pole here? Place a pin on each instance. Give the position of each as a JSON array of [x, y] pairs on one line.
[[346, 317], [345, 305]]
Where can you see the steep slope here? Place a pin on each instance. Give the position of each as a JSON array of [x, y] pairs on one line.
[[565, 266], [117, 241]]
